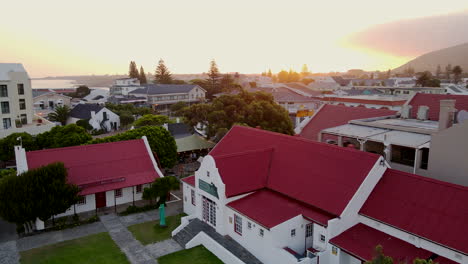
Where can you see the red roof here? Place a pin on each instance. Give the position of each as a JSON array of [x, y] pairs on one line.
[[432, 209], [270, 209], [189, 180], [318, 174], [362, 101], [361, 240], [101, 167], [336, 115], [433, 102]]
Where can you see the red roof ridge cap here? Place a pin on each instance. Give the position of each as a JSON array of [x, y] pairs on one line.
[[80, 146], [243, 153]]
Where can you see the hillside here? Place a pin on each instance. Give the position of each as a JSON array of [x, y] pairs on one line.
[[457, 55]]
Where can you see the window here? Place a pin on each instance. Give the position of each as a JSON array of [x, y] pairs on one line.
[[192, 194], [424, 158], [118, 193], [334, 250], [309, 230], [22, 104], [20, 88], [3, 91], [24, 119], [139, 188], [260, 233], [207, 174], [249, 225], [322, 238], [82, 200], [238, 224], [5, 107], [293, 232], [403, 155], [6, 123]]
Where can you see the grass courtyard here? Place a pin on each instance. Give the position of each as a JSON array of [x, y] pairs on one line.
[[96, 249], [151, 232], [196, 255]]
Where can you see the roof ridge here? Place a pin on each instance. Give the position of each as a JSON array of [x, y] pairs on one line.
[[243, 153], [427, 179], [80, 146]]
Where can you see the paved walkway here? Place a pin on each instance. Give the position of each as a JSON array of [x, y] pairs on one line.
[[9, 253], [163, 248], [136, 253]]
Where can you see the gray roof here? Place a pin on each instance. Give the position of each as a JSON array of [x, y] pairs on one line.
[[36, 93], [165, 89], [179, 130], [83, 111]]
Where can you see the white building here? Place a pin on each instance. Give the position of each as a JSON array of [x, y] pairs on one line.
[[108, 174], [291, 200], [99, 117], [46, 101], [16, 103], [124, 86]]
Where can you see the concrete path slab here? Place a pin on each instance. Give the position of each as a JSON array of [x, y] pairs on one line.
[[163, 248], [9, 253]]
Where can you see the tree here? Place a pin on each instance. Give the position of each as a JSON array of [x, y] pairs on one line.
[[161, 188], [438, 71], [63, 136], [251, 109], [162, 74], [7, 172], [84, 123], [151, 120], [389, 74], [227, 83], [7, 145], [175, 108], [160, 140], [38, 193], [423, 261], [128, 108], [213, 79], [283, 76], [305, 71], [126, 118], [448, 71], [133, 70], [60, 114], [269, 74], [425, 79], [142, 76], [379, 257], [178, 82], [457, 71]]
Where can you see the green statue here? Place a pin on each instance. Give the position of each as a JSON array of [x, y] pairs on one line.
[[162, 216]]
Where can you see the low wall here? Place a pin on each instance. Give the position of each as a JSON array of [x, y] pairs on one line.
[[32, 130], [219, 251], [184, 221]]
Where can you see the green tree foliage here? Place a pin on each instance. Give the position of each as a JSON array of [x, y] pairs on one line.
[[7, 172], [178, 82], [425, 79], [120, 109], [41, 192], [133, 70], [252, 109], [63, 136], [379, 257], [227, 83], [60, 114], [269, 74], [213, 80], [291, 76], [126, 118], [162, 74], [151, 120], [457, 72], [159, 139], [142, 76], [423, 261], [7, 144], [81, 92], [84, 123], [175, 108], [160, 188], [305, 71]]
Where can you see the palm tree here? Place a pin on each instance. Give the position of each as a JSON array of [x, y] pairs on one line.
[[160, 188], [60, 115]]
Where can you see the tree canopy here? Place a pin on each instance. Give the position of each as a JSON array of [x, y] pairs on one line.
[[288, 76], [251, 109], [457, 72], [133, 70], [379, 257], [425, 79], [160, 188], [142, 76], [37, 193], [60, 114], [151, 120], [159, 139], [162, 74], [63, 136], [128, 108], [213, 79]]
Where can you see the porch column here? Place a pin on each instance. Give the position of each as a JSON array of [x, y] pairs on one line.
[[417, 160], [362, 143], [388, 152], [340, 141]]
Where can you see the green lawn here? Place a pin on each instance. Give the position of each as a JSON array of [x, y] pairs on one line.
[[196, 255], [96, 249], [151, 232]]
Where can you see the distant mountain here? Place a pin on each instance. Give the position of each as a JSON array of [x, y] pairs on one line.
[[456, 55]]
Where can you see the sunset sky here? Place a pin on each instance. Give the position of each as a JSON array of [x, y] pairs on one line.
[[54, 38]]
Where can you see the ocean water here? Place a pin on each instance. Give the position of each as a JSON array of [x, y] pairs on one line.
[[53, 84]]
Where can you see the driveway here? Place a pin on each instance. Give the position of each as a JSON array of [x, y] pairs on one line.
[[7, 231]]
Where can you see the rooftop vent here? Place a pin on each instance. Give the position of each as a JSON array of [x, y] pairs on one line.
[[406, 111], [423, 112]]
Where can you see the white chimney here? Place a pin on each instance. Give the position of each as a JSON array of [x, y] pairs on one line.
[[423, 112], [21, 161], [406, 111], [93, 114], [446, 114]]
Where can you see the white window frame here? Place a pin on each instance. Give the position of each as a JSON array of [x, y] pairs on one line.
[[261, 232], [81, 201], [293, 232], [118, 193], [238, 224]]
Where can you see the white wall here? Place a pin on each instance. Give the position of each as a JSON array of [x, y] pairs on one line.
[[90, 205], [219, 251], [189, 208], [95, 120]]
